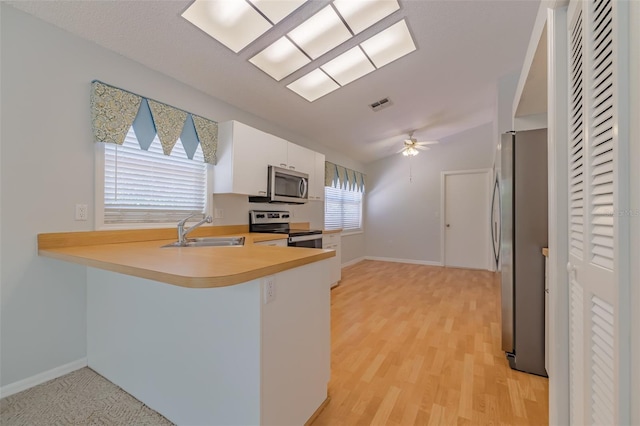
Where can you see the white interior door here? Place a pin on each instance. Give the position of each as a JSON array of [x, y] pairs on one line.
[[467, 224], [598, 291]]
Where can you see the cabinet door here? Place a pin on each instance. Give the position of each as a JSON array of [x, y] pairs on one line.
[[316, 185], [254, 151], [301, 159], [333, 242]]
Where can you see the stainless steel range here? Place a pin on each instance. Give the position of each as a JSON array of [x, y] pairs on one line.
[[279, 222]]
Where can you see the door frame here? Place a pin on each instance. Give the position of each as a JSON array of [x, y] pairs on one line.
[[489, 191]]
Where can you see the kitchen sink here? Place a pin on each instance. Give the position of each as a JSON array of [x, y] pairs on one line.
[[210, 242]]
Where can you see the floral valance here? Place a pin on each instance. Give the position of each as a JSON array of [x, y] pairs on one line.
[[114, 111], [341, 177]]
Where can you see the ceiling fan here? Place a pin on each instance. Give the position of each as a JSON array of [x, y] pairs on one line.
[[413, 147]]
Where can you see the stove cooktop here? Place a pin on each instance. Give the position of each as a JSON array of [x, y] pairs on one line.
[[276, 222]]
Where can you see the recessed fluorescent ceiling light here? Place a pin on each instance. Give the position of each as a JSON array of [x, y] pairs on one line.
[[313, 85], [233, 23], [349, 66], [320, 33], [277, 10], [280, 59], [361, 14], [389, 45]]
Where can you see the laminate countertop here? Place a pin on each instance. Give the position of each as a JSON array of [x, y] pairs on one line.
[[195, 267]]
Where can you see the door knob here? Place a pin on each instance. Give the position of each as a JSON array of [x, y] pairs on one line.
[[448, 225]]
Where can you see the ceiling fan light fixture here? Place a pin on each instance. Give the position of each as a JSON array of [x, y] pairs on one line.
[[280, 59], [389, 45], [361, 14], [233, 23], [410, 152]]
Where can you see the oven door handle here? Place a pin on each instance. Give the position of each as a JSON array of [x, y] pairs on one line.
[[305, 238]]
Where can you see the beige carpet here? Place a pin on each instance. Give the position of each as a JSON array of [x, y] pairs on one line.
[[82, 397]]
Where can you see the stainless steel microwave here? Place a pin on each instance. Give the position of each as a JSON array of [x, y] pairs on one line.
[[285, 186]]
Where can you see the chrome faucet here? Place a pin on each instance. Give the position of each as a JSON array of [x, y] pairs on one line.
[[182, 234]]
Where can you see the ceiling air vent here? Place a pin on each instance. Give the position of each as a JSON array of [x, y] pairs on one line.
[[382, 103]]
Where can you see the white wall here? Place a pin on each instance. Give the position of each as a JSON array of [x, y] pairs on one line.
[[403, 218], [0, 199], [47, 166], [506, 91], [634, 138]]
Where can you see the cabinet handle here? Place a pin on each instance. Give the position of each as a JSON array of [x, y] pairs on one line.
[[292, 167], [283, 165], [262, 192]]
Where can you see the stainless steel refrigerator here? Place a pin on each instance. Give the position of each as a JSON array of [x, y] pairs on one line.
[[524, 232]]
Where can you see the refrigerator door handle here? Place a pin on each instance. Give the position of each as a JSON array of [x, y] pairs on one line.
[[495, 236]]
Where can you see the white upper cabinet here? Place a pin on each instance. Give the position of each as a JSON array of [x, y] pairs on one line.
[[300, 159], [244, 155], [316, 185]]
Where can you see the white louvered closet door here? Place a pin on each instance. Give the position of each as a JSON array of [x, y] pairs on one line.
[[598, 349]]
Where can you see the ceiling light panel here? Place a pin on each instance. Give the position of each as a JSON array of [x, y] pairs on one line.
[[389, 45], [233, 23], [320, 33], [361, 14], [280, 59], [313, 85], [349, 66], [277, 10]]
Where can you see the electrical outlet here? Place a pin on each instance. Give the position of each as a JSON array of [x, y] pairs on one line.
[[269, 286], [82, 212], [218, 213]]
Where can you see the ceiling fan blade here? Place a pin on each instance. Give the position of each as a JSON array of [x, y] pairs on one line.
[[403, 149], [427, 143], [421, 148]]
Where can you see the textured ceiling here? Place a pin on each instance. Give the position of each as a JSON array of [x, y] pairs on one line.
[[446, 86]]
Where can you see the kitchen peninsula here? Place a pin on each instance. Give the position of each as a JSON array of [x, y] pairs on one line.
[[193, 333]]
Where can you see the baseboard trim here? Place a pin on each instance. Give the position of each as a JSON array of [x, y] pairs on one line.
[[353, 261], [45, 376], [319, 410], [412, 261]]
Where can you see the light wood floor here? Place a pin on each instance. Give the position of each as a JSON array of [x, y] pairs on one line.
[[415, 344]]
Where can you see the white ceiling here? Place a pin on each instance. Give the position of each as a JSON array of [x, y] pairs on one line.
[[447, 85]]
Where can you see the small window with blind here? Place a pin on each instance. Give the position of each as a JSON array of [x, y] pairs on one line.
[[148, 187], [342, 209]]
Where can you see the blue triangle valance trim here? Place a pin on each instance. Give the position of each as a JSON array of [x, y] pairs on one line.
[[341, 177], [114, 111]]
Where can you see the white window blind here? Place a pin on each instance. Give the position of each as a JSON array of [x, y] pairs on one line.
[[342, 209], [150, 187]]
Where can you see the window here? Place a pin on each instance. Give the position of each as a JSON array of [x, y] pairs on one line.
[[150, 187], [342, 209]]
